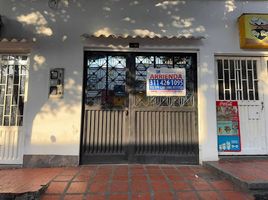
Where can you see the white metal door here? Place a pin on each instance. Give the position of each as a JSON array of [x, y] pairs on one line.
[[13, 78], [264, 80], [239, 80]]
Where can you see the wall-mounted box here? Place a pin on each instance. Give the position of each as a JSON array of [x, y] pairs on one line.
[[253, 31], [56, 83]]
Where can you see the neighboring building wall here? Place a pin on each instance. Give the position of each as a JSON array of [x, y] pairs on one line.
[[52, 127]]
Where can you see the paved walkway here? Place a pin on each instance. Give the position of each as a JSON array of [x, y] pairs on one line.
[[118, 182], [25, 180], [16, 182], [250, 170], [249, 173]]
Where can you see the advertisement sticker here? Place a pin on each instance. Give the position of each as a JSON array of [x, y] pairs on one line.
[[228, 129], [166, 82]]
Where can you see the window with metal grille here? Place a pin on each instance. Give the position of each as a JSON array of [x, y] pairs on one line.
[[145, 61], [13, 74], [110, 77], [106, 77], [237, 79]]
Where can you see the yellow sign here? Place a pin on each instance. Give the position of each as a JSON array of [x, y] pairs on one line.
[[253, 31]]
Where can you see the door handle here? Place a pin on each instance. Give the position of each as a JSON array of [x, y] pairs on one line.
[[262, 105], [126, 112]]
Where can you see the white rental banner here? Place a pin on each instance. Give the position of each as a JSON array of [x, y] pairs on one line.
[[166, 82]]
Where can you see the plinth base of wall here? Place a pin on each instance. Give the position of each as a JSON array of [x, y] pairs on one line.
[[50, 161]]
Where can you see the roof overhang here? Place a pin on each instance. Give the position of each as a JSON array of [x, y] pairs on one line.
[[15, 45], [155, 37], [123, 42]]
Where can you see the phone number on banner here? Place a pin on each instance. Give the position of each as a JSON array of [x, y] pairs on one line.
[[163, 84]]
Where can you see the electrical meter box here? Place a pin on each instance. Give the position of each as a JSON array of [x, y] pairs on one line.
[[56, 83]]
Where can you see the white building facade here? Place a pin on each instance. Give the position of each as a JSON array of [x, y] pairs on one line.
[[72, 73]]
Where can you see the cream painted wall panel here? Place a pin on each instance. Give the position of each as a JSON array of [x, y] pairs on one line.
[[59, 131], [206, 108], [53, 127]]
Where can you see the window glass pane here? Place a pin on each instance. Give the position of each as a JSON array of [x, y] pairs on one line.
[[220, 69], [3, 79], [16, 74], [9, 84], [3, 74], [15, 95], [226, 79], [238, 63], [249, 63], [221, 93], [22, 84], [21, 105], [10, 70], [6, 121], [232, 69], [244, 69], [227, 95], [163, 61], [97, 61], [226, 64], [24, 57], [2, 94], [255, 69], [245, 90], [250, 80], [115, 93], [96, 78], [183, 62], [233, 90], [256, 90], [251, 95], [142, 63], [13, 115], [7, 110], [116, 61], [5, 57]]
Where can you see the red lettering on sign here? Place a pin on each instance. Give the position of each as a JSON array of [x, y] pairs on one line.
[[165, 76]]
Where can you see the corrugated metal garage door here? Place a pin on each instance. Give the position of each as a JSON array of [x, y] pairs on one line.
[[123, 125]]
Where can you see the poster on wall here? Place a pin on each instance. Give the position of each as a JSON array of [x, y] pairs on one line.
[[253, 31], [166, 82], [228, 129]]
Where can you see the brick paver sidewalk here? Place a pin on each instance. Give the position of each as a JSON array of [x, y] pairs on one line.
[[249, 170], [132, 182], [25, 180]]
